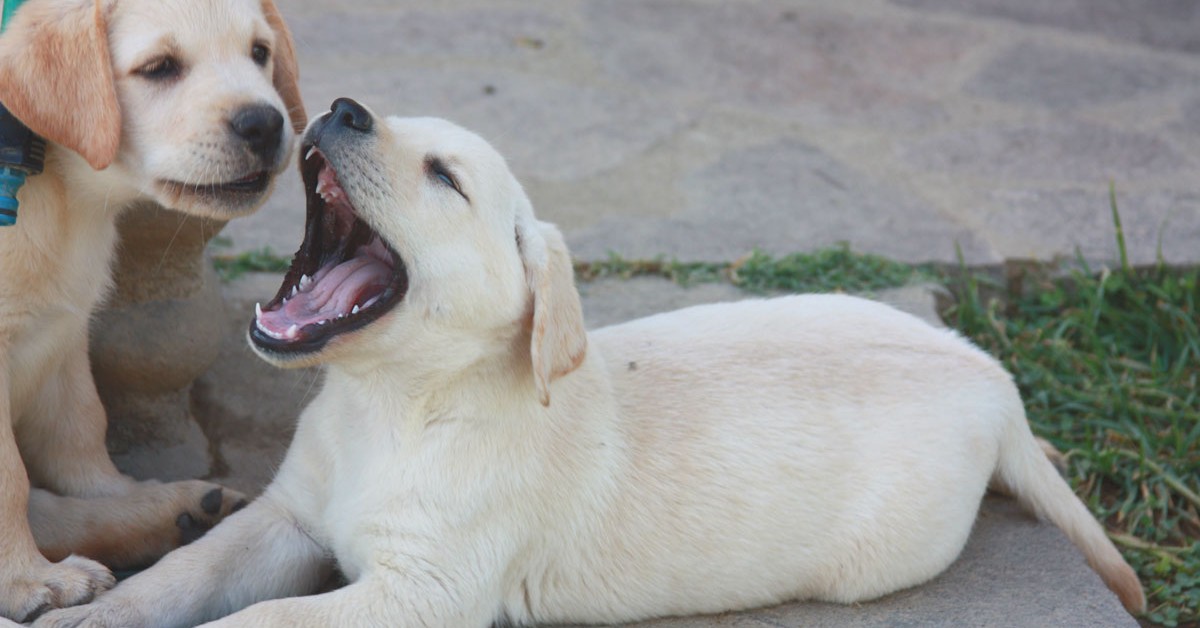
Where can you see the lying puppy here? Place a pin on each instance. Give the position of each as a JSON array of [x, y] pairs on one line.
[[175, 101], [475, 457]]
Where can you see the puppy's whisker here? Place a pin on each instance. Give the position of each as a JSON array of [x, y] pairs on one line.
[[316, 376], [167, 249]]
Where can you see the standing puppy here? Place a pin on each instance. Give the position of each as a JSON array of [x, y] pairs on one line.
[[474, 456], [183, 102]]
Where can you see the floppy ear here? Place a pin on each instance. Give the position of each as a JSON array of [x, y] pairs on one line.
[[286, 75], [56, 77], [558, 340]]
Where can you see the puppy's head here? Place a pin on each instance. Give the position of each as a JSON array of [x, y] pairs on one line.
[[194, 101], [420, 245]]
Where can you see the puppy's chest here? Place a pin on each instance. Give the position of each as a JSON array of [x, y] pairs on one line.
[[373, 494], [392, 491], [61, 271], [48, 296]]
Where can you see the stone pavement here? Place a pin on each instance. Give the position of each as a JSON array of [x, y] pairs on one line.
[[700, 129]]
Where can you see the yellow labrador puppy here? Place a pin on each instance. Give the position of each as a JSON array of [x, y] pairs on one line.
[[474, 456], [184, 102]]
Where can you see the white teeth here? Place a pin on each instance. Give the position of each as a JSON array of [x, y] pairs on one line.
[[371, 301], [291, 332], [284, 301], [295, 290], [257, 311], [355, 310], [304, 279], [309, 154], [267, 331]]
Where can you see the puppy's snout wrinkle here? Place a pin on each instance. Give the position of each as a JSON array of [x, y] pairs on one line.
[[261, 126], [350, 114]]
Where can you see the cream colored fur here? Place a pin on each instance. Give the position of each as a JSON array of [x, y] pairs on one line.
[[69, 70], [473, 455]]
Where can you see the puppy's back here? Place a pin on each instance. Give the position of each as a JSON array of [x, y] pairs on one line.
[[817, 446]]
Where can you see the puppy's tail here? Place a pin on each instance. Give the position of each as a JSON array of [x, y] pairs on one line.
[[1026, 472]]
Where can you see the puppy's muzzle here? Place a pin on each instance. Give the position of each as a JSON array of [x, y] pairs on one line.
[[345, 120], [348, 115], [260, 126], [345, 275]]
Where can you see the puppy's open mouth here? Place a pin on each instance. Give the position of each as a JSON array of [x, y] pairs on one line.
[[254, 183], [343, 277]]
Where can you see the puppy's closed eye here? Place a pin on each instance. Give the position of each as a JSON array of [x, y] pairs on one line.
[[160, 69], [438, 171]]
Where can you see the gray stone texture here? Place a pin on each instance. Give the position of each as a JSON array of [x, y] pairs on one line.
[[1164, 24], [701, 130], [1048, 153], [1033, 73], [781, 198]]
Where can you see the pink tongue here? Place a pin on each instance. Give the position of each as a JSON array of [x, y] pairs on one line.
[[334, 291]]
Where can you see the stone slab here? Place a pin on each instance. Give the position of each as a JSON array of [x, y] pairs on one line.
[[1165, 24], [780, 197], [1070, 79], [637, 128]]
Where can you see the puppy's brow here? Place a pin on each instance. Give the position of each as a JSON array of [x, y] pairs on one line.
[[165, 46]]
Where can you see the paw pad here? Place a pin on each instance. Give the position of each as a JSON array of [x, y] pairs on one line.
[[189, 528], [211, 502]]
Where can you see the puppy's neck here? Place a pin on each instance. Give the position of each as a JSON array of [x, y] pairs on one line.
[[409, 391]]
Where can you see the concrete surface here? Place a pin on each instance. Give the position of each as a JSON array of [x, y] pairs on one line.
[[700, 129]]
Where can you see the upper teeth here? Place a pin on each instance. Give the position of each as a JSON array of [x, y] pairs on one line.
[[309, 154], [330, 192]]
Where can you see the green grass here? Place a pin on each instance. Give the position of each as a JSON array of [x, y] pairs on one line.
[[231, 267], [1107, 360], [830, 269]]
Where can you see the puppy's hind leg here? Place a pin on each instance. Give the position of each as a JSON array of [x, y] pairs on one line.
[[62, 441], [30, 584], [127, 531], [257, 554], [62, 436]]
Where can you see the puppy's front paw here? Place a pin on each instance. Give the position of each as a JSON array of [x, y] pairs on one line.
[[74, 580], [202, 506], [102, 614]]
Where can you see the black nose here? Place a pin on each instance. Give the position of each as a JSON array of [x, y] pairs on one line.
[[262, 128], [347, 113]]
